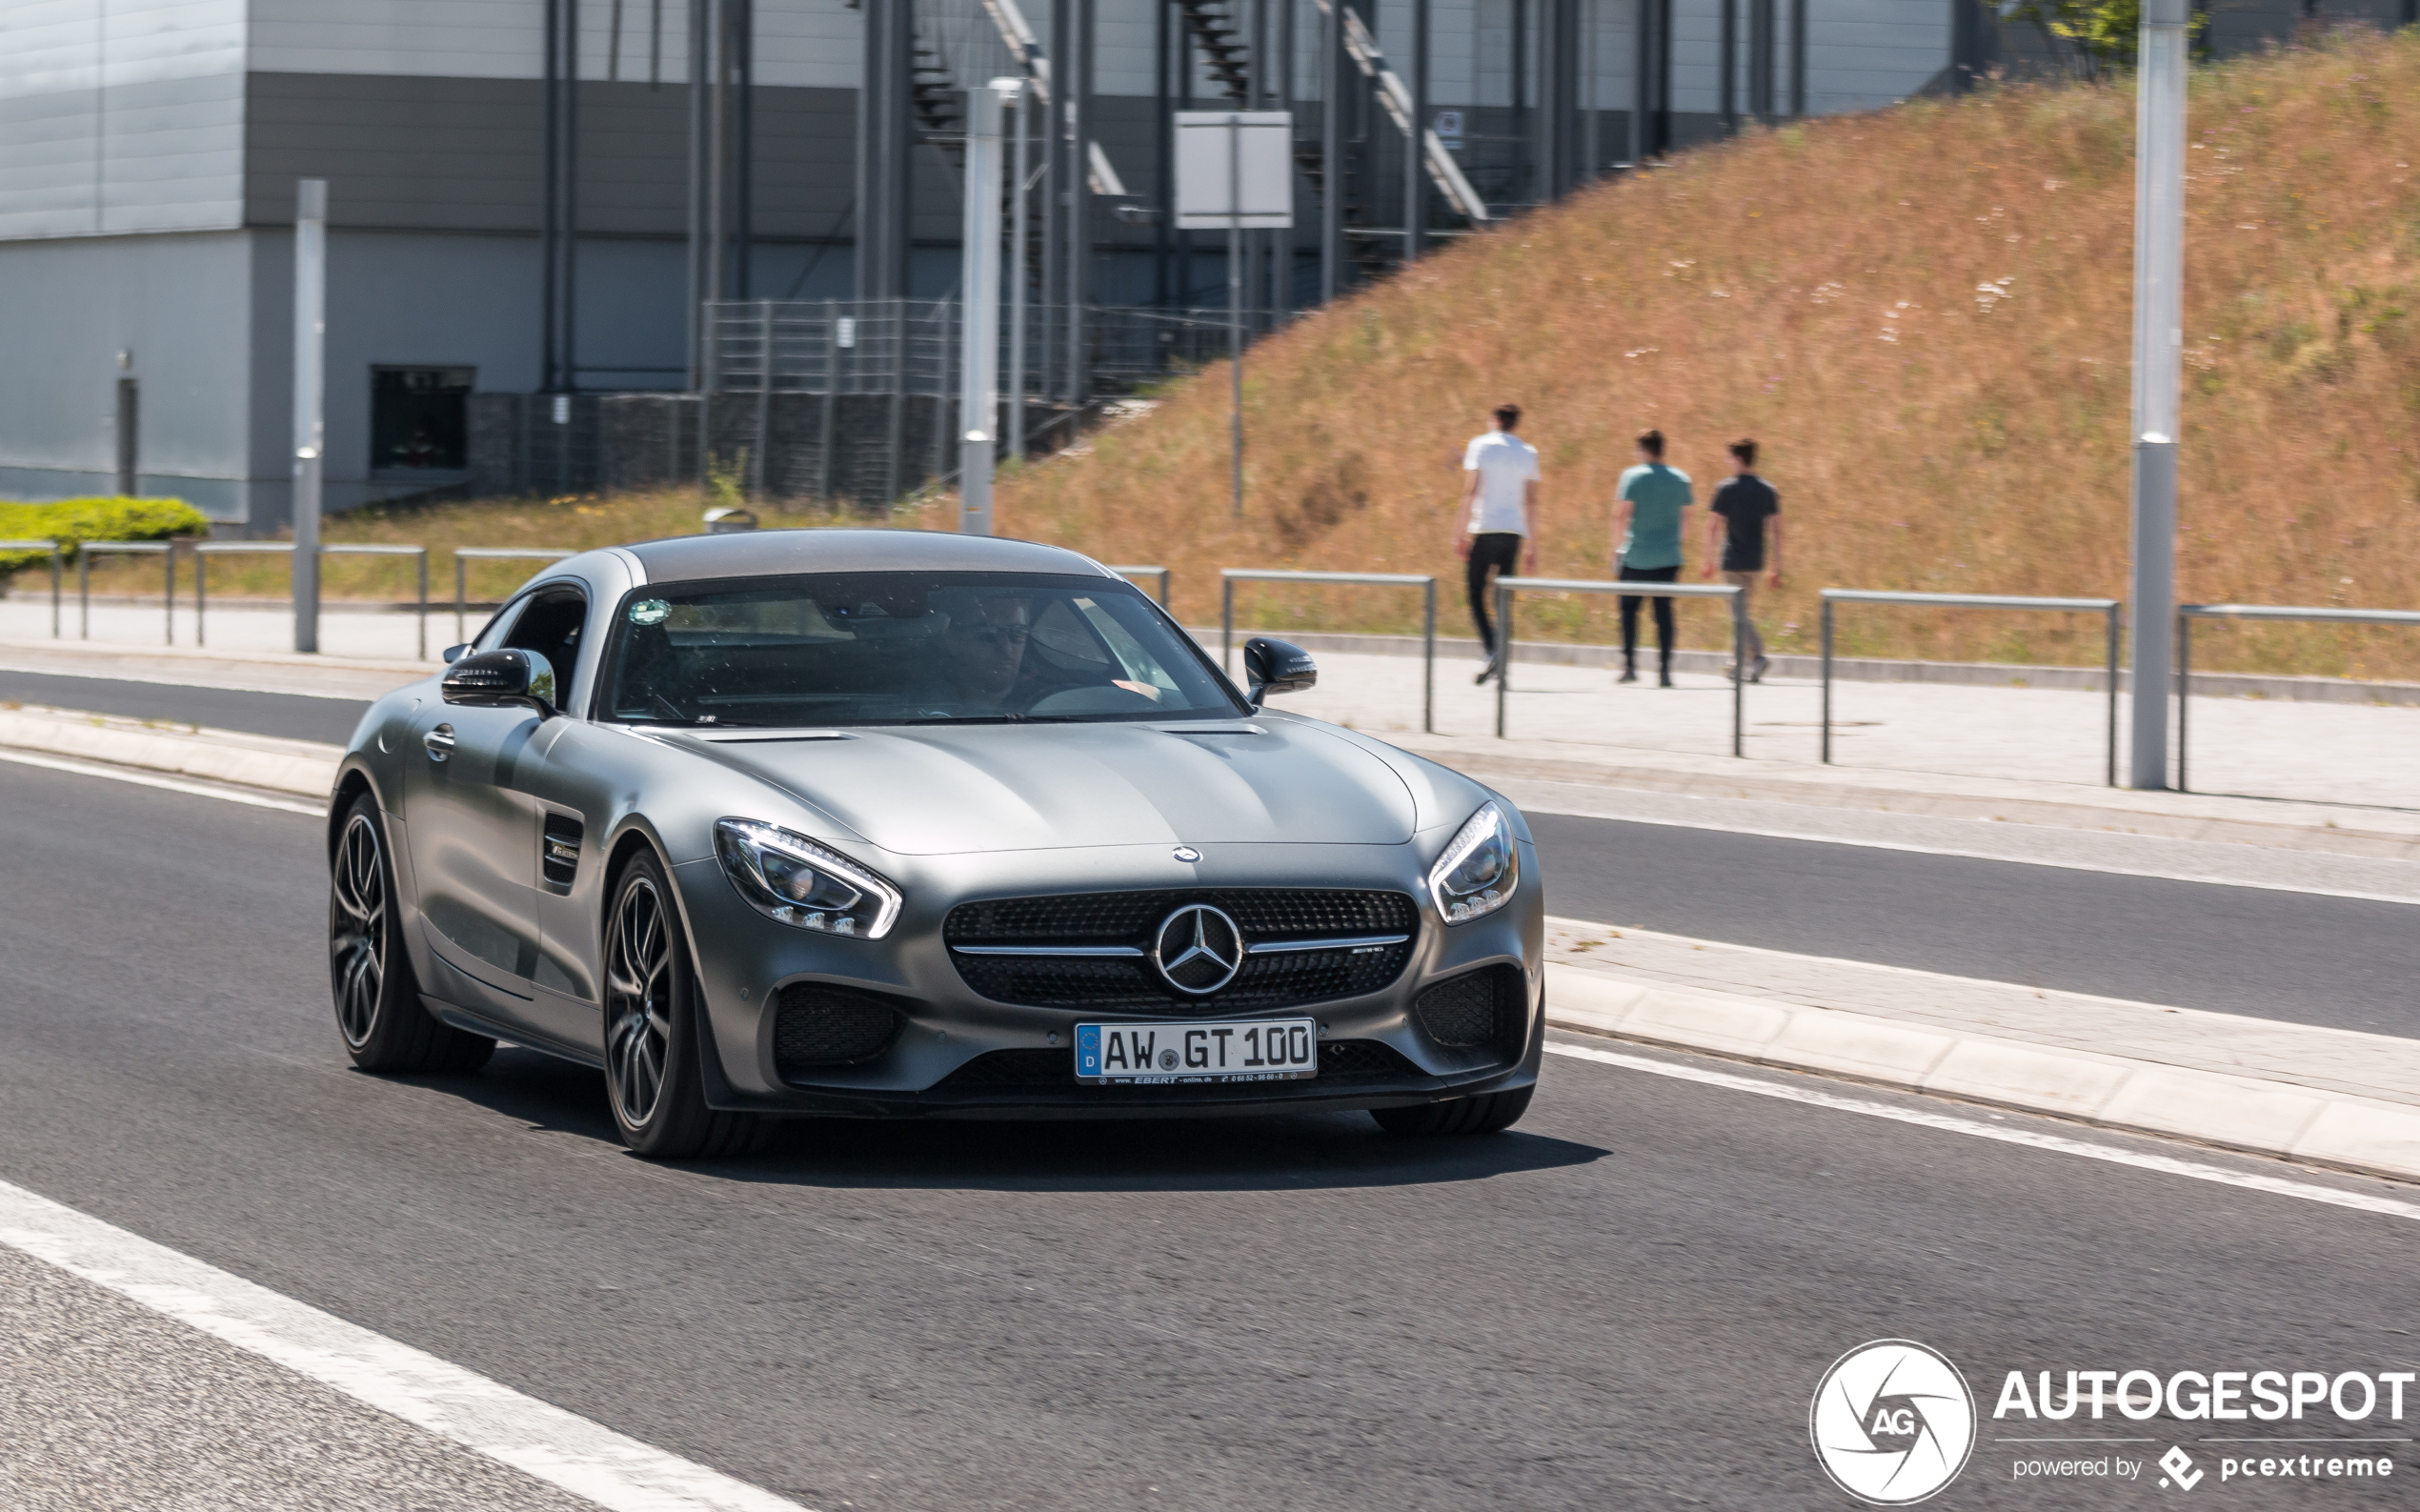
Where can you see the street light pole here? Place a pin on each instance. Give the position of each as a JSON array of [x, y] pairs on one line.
[[311, 334], [978, 394], [2159, 317]]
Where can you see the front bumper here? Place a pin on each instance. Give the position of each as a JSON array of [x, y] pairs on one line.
[[960, 1055]]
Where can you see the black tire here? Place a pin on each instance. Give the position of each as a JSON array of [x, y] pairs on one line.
[[378, 1009], [1489, 1113], [653, 1081]]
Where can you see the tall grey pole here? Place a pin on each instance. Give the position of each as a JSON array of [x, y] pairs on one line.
[[1079, 85], [1332, 66], [2159, 269], [979, 265], [311, 336], [1235, 312], [1416, 140], [1024, 102]]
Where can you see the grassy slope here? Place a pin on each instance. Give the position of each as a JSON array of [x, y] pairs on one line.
[[1924, 314]]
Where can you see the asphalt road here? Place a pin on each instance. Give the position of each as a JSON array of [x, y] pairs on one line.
[[294, 716], [1627, 1302], [2345, 963]]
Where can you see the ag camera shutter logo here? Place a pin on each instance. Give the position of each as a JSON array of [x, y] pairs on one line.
[[1892, 1422]]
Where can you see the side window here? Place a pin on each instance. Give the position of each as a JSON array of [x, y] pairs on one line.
[[550, 626]]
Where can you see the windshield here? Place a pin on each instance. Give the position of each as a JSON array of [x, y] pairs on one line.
[[900, 648]]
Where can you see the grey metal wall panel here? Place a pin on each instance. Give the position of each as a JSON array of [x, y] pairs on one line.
[[180, 306]]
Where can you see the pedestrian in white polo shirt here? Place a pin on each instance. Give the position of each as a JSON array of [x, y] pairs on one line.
[[1499, 512]]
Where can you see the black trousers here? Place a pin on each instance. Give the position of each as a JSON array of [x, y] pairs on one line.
[[1663, 613], [1492, 551]]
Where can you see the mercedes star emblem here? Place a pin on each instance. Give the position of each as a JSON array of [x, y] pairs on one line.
[[1197, 949], [1185, 853]]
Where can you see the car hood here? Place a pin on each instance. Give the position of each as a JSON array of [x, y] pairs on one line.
[[940, 790]]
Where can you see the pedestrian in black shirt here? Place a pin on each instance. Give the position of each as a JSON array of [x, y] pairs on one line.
[[1743, 532]]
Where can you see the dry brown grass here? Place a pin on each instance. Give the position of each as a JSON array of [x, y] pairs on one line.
[[1923, 315]]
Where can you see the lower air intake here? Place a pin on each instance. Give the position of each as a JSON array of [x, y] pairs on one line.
[[817, 1024], [1484, 1008]]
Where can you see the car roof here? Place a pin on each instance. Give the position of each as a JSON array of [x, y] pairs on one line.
[[763, 553]]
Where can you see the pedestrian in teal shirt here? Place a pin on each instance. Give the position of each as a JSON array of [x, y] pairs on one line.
[[1652, 497]]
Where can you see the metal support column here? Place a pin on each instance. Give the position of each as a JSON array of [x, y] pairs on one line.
[[1019, 202], [1080, 206], [1726, 86], [1333, 67], [978, 393], [1416, 171], [885, 138]]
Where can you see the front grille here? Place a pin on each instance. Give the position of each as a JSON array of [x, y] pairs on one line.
[[818, 1024], [1131, 984], [1345, 1063], [1484, 1008]]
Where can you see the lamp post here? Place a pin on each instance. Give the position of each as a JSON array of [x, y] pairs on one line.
[[2159, 317], [978, 393], [311, 336]]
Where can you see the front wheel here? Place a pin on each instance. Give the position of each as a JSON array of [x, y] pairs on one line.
[[652, 1069], [1488, 1112], [378, 1009]]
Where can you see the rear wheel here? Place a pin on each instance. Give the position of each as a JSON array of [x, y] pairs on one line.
[[378, 1009], [1489, 1113], [652, 1069]]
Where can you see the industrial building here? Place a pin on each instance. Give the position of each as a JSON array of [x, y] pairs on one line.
[[536, 204]]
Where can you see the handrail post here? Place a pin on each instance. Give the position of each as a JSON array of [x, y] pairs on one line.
[[201, 599], [1826, 717], [1428, 657], [1504, 652], [83, 592], [1226, 625], [424, 603], [461, 610], [1738, 672], [168, 590], [54, 590], [2114, 637], [2184, 688]]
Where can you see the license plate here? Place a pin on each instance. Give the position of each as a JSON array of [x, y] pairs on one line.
[[1229, 1050]]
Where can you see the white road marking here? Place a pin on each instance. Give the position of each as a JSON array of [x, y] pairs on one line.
[[154, 780], [98, 675], [483, 1416], [2113, 869], [2167, 1165]]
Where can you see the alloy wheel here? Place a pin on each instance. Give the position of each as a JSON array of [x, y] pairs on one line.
[[357, 931], [638, 994]]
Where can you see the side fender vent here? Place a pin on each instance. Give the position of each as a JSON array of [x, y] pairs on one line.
[[559, 852]]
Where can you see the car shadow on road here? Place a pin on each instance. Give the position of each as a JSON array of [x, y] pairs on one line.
[[1304, 1151]]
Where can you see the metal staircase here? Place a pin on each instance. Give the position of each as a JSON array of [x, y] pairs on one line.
[[1216, 33]]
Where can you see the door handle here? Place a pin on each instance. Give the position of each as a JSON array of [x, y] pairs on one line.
[[439, 741]]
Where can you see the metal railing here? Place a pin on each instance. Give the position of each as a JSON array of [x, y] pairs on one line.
[[1229, 576], [2186, 613], [2108, 607], [1161, 573], [51, 547], [1507, 587], [464, 555], [206, 549], [84, 551]]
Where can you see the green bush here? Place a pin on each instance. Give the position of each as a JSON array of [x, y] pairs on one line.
[[70, 521]]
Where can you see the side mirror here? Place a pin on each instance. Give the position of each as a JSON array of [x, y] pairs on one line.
[[501, 679], [1275, 666], [455, 654]]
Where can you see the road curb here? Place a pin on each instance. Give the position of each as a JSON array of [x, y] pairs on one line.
[[305, 768], [2366, 1135]]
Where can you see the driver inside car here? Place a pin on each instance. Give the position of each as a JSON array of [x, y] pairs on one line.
[[987, 640]]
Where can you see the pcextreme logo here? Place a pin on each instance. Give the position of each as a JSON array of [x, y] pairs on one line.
[[1892, 1422]]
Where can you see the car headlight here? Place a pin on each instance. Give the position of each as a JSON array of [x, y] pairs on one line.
[[791, 879], [1479, 871]]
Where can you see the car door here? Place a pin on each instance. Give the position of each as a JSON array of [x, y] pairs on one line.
[[475, 830]]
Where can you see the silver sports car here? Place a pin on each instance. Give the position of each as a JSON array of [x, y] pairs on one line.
[[884, 823]]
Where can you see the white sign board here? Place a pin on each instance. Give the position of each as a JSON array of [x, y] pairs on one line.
[[1235, 167]]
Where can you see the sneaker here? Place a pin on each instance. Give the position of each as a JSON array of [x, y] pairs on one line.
[[1664, 679], [1628, 674], [1486, 670], [1763, 664]]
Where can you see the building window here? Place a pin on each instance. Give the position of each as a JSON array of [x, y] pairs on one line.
[[419, 419]]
